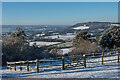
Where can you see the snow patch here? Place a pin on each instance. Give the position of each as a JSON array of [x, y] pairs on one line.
[[41, 43], [81, 27]]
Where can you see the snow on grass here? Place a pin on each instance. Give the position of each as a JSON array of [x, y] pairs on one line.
[[108, 70], [66, 44], [66, 50], [41, 43], [99, 60]]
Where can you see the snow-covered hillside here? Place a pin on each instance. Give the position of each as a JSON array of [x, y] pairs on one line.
[[96, 70], [81, 27]]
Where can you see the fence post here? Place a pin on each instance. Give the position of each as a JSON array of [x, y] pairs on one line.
[[7, 65], [27, 65], [93, 54], [50, 62], [15, 66], [118, 56], [10, 67], [110, 53], [84, 57], [63, 63], [23, 63], [20, 66], [102, 58], [37, 65]]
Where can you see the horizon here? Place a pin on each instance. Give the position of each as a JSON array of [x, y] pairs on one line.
[[58, 13], [60, 25]]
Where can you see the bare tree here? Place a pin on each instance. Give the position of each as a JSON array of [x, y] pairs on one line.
[[82, 44]]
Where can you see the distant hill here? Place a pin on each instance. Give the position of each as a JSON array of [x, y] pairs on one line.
[[91, 24], [95, 28]]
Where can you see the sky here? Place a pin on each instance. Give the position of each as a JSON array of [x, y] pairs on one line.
[[58, 13], [60, 0]]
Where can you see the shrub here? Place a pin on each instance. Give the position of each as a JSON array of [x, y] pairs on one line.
[[110, 38], [15, 48], [82, 44]]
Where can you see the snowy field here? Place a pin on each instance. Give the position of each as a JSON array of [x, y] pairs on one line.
[[105, 71], [96, 70], [63, 37], [41, 43]]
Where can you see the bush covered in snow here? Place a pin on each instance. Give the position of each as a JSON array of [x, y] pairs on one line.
[[15, 48], [110, 38]]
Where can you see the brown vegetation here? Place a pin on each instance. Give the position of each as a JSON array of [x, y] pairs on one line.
[[83, 45]]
